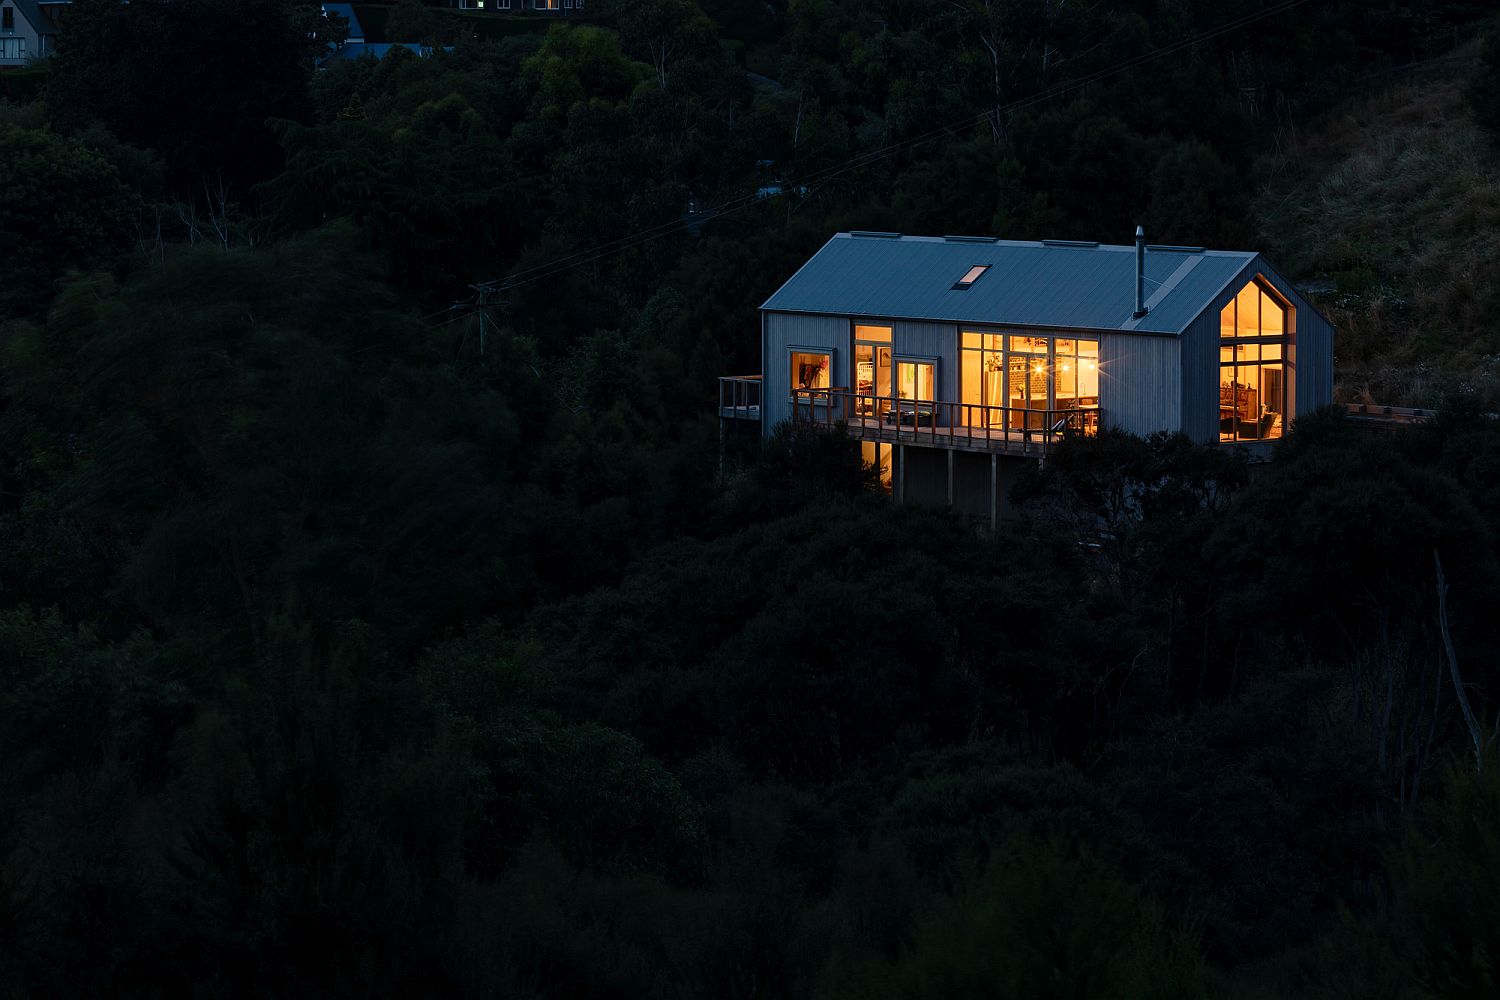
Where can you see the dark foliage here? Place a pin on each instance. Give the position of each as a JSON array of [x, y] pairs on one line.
[[340, 655]]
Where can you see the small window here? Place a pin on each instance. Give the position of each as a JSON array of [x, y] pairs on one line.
[[810, 370], [971, 277], [8, 19]]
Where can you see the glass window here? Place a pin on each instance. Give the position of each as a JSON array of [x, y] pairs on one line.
[[1075, 373], [879, 457], [810, 369], [1252, 372], [916, 380], [972, 275], [1272, 317], [873, 334], [1253, 313], [1029, 345]]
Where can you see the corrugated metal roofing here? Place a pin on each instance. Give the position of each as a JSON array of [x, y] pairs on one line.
[[1058, 284]]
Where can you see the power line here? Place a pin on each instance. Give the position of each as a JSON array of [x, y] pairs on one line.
[[825, 174]]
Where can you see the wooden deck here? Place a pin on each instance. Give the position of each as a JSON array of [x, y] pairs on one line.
[[951, 426], [1033, 443], [739, 397]]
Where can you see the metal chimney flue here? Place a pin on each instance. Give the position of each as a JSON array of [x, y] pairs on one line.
[[1140, 272]]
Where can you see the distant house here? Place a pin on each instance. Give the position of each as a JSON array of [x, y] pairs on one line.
[[28, 30], [539, 6], [355, 45], [951, 359]]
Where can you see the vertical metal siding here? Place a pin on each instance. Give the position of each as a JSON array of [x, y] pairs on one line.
[[1309, 355], [936, 340], [1200, 376], [781, 332], [1314, 354], [1141, 387], [1309, 350]]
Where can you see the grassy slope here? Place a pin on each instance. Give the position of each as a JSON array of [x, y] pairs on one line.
[[1395, 203]]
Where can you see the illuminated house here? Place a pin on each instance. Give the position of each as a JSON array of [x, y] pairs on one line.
[[540, 6], [951, 359]]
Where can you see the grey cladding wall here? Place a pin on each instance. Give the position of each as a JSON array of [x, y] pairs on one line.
[[1140, 387], [932, 340], [783, 332]]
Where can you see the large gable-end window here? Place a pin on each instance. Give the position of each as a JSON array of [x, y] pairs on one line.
[[1252, 365]]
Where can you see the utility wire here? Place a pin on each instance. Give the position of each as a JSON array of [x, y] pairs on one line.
[[825, 174]]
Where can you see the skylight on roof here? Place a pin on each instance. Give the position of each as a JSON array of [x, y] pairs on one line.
[[972, 276]]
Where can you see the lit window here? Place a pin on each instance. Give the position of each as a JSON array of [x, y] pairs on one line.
[[810, 369], [916, 380], [1252, 374], [971, 276]]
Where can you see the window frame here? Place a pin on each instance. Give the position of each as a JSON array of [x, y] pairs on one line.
[[1233, 341], [973, 274], [792, 351]]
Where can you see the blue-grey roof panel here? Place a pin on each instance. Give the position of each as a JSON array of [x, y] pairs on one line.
[[40, 22], [1027, 284]]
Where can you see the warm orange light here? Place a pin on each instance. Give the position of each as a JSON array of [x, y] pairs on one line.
[[1067, 367]]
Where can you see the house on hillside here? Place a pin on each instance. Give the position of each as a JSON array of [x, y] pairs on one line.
[[28, 30], [539, 6], [954, 359], [356, 46]]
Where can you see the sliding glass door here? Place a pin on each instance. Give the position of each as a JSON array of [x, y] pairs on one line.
[[871, 378]]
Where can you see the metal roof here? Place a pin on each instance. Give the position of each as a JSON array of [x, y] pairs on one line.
[[40, 22], [1051, 283]]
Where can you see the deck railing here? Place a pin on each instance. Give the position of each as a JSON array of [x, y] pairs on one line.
[[739, 396], [960, 426]]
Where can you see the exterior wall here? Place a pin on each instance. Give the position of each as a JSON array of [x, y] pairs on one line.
[[931, 340], [1140, 388], [36, 46], [780, 332], [1200, 372], [503, 6], [1309, 350], [1309, 357]]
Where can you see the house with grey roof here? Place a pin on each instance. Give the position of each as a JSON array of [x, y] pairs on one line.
[[28, 30], [506, 6], [356, 46], [950, 359]]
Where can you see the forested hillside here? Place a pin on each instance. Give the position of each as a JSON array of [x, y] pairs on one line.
[[342, 657]]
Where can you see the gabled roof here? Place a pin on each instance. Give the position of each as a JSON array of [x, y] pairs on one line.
[[1048, 283], [40, 22]]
